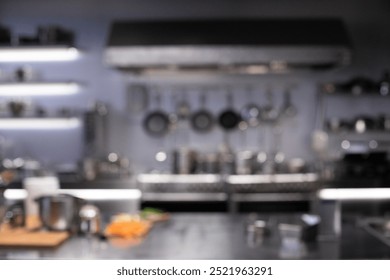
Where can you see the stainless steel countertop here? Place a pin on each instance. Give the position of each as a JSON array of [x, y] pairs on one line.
[[212, 236]]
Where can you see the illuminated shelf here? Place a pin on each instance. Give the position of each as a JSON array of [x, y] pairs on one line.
[[38, 88], [38, 54], [39, 123]]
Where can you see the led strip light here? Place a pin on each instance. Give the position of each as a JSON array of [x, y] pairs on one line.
[[38, 54], [38, 89]]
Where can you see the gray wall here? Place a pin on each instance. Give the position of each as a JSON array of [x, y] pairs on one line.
[[367, 21]]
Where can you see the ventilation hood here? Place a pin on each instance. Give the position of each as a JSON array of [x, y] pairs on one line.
[[251, 46]]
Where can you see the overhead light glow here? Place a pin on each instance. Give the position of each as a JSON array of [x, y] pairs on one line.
[[38, 54], [35, 89], [39, 123]]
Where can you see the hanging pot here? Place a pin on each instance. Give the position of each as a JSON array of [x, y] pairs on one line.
[[229, 118], [156, 123], [202, 121]]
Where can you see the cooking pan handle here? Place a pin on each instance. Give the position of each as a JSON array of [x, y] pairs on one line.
[[229, 98], [203, 100]]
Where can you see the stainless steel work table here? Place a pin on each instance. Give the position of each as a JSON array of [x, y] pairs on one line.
[[213, 236]]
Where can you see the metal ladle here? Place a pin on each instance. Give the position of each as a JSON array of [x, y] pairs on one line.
[[288, 109], [269, 112]]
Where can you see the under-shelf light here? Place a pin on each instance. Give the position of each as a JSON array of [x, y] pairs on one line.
[[38, 54], [355, 194], [35, 89], [39, 123]]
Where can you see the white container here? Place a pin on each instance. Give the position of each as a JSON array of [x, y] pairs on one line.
[[36, 187]]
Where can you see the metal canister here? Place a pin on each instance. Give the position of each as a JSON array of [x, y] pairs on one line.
[[90, 220], [184, 161], [209, 163], [245, 162]]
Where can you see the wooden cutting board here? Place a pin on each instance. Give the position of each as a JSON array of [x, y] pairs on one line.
[[28, 237], [25, 238]]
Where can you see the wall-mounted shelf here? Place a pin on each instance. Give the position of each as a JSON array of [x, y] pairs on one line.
[[38, 54], [179, 178], [294, 182], [39, 123], [338, 90], [38, 88]]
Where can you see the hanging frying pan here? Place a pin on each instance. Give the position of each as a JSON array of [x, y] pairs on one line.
[[156, 123], [229, 118], [202, 120]]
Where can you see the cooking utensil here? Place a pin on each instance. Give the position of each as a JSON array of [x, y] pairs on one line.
[[209, 163], [184, 161], [17, 108], [288, 109], [269, 112], [157, 123], [251, 114], [296, 165], [137, 98], [229, 118], [90, 220], [59, 212], [227, 159], [245, 162], [183, 108], [256, 233], [202, 120], [22, 237]]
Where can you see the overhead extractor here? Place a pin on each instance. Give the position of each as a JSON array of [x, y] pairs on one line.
[[250, 46]]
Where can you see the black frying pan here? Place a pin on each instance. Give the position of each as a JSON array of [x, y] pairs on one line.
[[202, 120], [156, 123], [229, 118]]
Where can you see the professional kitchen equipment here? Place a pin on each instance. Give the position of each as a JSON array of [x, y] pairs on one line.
[[96, 129], [251, 113], [288, 109], [184, 161], [157, 123], [90, 220], [227, 159], [228, 45], [245, 162], [229, 119], [59, 212], [202, 120], [209, 163], [137, 98], [269, 113]]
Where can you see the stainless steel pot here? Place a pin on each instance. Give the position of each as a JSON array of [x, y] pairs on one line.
[[59, 212], [244, 162], [184, 161]]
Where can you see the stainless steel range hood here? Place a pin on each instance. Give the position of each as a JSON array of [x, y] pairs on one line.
[[251, 46]]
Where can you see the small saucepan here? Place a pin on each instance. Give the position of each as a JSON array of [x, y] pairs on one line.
[[202, 120], [229, 118], [157, 123]]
